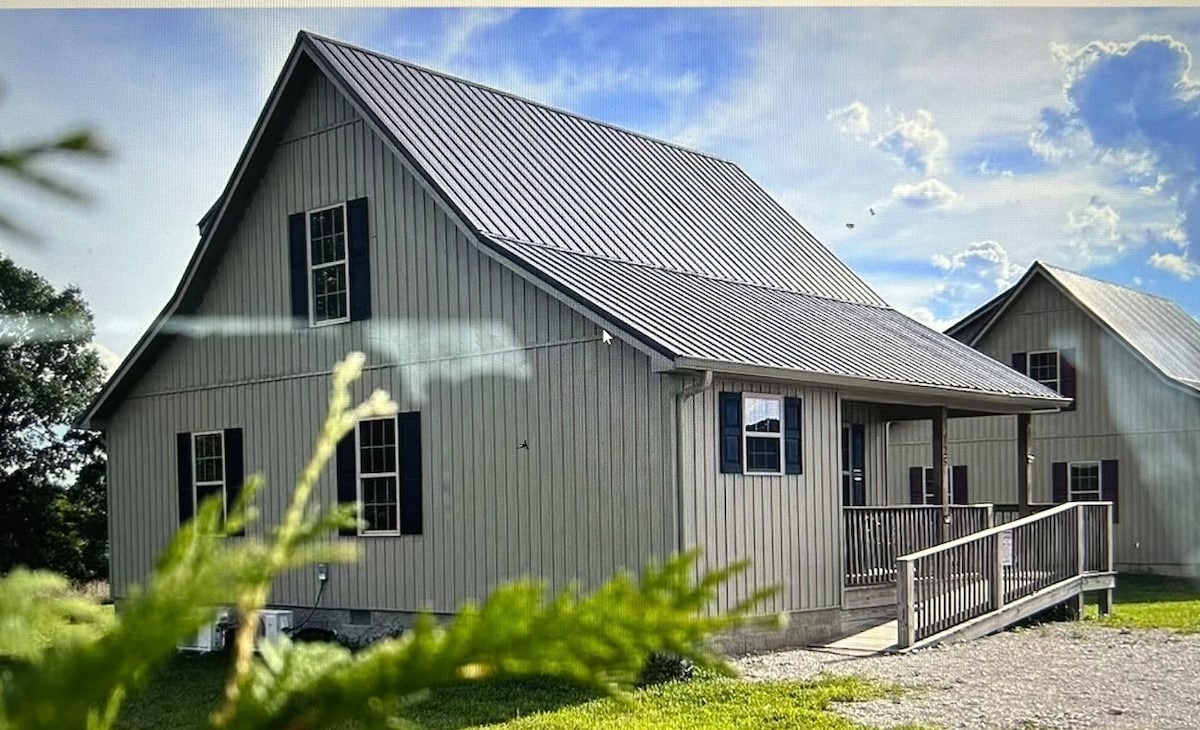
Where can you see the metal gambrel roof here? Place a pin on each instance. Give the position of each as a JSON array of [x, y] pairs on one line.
[[706, 319], [1156, 328], [523, 171]]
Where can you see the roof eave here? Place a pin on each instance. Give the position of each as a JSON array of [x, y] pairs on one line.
[[885, 390]]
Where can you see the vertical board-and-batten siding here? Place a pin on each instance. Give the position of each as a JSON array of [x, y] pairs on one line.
[[594, 488], [1125, 411], [788, 526]]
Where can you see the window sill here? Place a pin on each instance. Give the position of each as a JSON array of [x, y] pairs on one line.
[[328, 322]]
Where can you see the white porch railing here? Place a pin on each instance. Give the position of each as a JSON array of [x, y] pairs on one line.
[[943, 586], [875, 536]]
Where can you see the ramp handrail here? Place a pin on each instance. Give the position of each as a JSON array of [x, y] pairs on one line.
[[942, 586], [875, 536]]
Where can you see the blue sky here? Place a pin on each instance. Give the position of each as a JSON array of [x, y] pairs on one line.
[[982, 139]]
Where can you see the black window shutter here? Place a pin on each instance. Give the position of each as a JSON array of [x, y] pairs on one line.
[[298, 260], [360, 259], [793, 463], [729, 406], [1108, 485], [347, 476], [916, 485], [1020, 362], [183, 460], [958, 484], [235, 470], [1066, 376], [408, 439], [1058, 482]]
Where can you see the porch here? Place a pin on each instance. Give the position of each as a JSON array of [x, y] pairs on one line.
[[970, 575]]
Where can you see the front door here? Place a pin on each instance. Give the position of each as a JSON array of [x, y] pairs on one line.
[[854, 446]]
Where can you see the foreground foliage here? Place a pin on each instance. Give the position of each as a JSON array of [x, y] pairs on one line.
[[598, 641]]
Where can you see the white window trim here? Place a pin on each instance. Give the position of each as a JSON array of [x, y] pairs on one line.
[[358, 477], [345, 263], [1057, 387], [1071, 465], [196, 483], [746, 434]]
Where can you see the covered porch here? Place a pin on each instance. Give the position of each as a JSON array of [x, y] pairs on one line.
[[951, 566]]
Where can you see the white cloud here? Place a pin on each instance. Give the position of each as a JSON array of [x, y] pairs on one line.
[[1176, 264], [1093, 231], [916, 142], [986, 261], [852, 121], [929, 193]]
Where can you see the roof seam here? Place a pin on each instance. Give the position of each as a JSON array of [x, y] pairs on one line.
[[693, 274]]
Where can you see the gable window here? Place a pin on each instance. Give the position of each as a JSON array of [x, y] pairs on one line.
[[329, 255], [1054, 369], [328, 265], [210, 464], [379, 471], [378, 483], [759, 433], [1043, 367]]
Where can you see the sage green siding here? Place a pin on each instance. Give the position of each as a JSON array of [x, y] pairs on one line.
[[593, 492], [1125, 411]]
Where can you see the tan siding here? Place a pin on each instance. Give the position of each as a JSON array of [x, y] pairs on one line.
[[593, 492], [1124, 411], [789, 526]]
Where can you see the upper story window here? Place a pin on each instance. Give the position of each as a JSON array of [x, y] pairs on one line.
[[1055, 369], [1043, 367], [329, 266], [763, 416], [330, 262]]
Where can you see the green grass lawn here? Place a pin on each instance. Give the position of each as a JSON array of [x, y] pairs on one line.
[[186, 691], [1155, 602]]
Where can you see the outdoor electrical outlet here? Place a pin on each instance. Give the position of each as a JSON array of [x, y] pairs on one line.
[[322, 571]]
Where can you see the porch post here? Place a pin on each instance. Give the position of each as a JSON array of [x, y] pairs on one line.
[[1024, 465], [941, 467]]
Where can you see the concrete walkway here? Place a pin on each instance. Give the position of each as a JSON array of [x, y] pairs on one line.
[[868, 642]]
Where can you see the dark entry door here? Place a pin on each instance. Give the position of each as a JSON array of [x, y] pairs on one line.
[[854, 460]]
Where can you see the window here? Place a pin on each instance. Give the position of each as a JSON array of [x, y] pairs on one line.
[[1083, 483], [378, 478], [1043, 367], [329, 266], [921, 489], [759, 433], [208, 467], [763, 416]]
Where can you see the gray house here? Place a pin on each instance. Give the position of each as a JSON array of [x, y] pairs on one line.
[[606, 348], [1131, 362]]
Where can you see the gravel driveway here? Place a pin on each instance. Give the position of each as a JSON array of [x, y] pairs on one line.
[[1061, 675]]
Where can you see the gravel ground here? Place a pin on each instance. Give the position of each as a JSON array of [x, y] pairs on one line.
[[1061, 675]]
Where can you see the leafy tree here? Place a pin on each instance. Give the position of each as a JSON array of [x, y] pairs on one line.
[[51, 476], [600, 639]]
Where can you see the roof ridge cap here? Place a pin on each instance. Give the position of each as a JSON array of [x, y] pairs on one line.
[[522, 99], [695, 274]]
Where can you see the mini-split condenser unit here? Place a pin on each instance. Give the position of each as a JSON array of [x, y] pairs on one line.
[[272, 624]]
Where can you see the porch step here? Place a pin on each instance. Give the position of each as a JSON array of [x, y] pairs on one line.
[[873, 640]]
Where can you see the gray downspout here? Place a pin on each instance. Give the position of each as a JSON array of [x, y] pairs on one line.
[[680, 397]]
